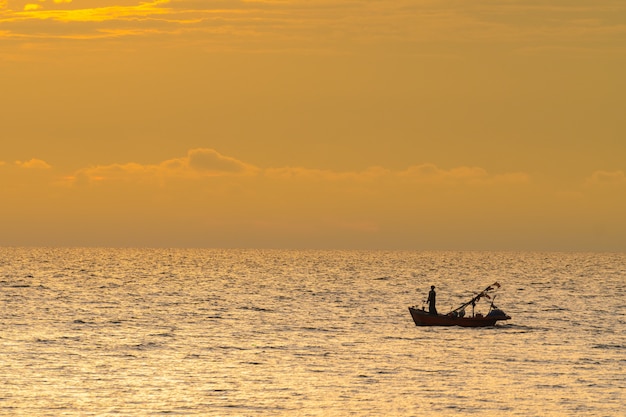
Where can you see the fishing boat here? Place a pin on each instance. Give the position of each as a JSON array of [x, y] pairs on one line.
[[456, 317]]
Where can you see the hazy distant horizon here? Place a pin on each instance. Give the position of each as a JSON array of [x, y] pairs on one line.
[[311, 249]]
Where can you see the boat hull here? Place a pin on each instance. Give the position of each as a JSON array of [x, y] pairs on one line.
[[423, 318]]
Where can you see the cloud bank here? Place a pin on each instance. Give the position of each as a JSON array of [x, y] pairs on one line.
[[209, 163], [198, 163], [206, 198]]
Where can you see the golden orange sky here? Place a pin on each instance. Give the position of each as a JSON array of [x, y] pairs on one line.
[[395, 124]]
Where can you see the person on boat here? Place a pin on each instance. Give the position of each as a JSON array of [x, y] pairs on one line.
[[431, 300]]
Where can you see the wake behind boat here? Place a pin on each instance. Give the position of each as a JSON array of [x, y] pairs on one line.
[[457, 317]]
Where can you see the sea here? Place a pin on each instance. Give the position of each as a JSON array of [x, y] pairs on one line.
[[209, 332]]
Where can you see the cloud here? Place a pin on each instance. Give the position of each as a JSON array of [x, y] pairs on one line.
[[424, 174], [606, 178], [33, 164], [467, 175], [302, 24], [198, 163], [206, 163], [65, 11], [209, 160], [301, 173]]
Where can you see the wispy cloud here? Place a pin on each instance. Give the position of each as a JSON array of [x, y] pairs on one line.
[[64, 19], [423, 173], [606, 178], [198, 163], [320, 22], [68, 11], [312, 174], [33, 163]]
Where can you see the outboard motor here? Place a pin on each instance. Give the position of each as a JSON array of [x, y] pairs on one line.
[[496, 313]]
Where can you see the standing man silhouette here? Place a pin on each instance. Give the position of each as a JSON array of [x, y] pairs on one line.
[[431, 300]]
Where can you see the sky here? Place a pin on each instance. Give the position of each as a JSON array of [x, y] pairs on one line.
[[314, 124]]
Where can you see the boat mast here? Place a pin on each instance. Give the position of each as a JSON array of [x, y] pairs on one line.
[[480, 295]]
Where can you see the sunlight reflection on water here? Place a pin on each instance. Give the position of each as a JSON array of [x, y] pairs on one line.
[[230, 332]]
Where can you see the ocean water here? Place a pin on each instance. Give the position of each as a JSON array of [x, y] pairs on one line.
[[140, 332]]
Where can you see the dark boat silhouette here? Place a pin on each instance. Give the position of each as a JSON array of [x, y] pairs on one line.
[[457, 316]]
